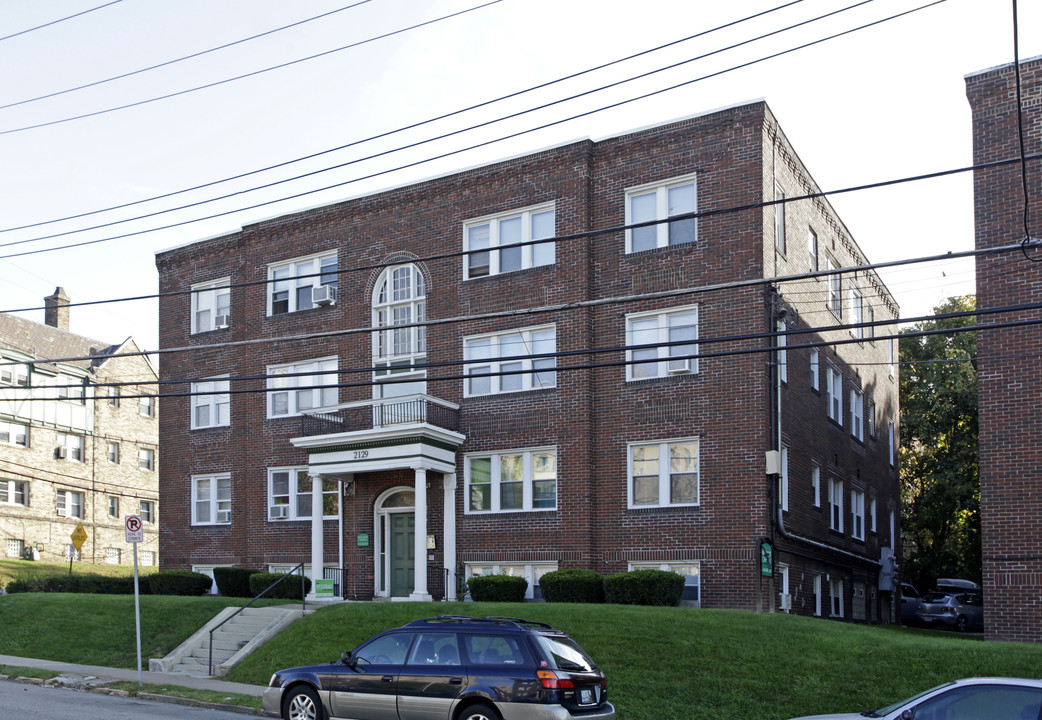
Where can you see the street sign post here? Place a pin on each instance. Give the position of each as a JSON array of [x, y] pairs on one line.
[[136, 534]]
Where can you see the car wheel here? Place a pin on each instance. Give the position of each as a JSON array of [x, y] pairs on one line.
[[479, 712], [961, 624], [302, 703]]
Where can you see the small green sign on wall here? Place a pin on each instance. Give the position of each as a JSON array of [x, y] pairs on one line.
[[766, 558], [362, 540], [323, 589]]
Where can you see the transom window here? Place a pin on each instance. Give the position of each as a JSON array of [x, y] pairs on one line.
[[14, 492], [661, 202], [211, 403], [678, 326], [211, 305], [512, 481], [69, 503], [299, 387], [504, 362], [399, 300], [664, 473], [289, 495], [212, 499], [484, 241], [14, 434], [292, 284]]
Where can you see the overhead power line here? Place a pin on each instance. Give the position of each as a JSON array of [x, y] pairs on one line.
[[59, 20]]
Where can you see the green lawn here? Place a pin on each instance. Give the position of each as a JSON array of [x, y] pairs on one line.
[[661, 663]]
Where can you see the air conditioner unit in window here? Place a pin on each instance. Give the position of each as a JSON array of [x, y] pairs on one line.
[[323, 295], [224, 516], [221, 321], [60, 452], [682, 365], [278, 512]]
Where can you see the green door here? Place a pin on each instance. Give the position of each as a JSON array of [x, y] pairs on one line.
[[403, 536]]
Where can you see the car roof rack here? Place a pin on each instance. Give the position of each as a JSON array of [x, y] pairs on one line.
[[489, 619]]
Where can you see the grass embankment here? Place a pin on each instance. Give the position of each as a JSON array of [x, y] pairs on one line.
[[26, 570]]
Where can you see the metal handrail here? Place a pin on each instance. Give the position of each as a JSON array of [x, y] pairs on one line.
[[303, 602]]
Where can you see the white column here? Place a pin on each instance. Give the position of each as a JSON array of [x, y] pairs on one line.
[[449, 536], [419, 591], [317, 551]]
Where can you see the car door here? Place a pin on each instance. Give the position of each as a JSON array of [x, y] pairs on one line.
[[367, 689], [432, 679]]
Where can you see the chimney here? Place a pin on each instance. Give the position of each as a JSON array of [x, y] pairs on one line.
[[56, 310]]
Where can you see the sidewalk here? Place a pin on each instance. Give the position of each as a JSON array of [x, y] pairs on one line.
[[131, 675]]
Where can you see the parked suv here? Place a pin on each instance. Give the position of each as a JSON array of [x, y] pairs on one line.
[[449, 668]]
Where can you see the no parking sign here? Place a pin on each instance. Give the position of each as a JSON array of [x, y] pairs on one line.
[[135, 533]]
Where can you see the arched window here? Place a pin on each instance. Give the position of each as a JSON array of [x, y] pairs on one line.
[[399, 300]]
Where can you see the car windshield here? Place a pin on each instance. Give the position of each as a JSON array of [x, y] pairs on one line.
[[884, 711], [936, 597], [566, 654]]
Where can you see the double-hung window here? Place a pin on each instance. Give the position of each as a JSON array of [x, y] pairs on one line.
[[834, 386], [69, 503], [857, 514], [296, 388], [857, 414], [211, 305], [661, 343], [211, 401], [507, 362], [664, 473], [815, 365], [146, 459], [70, 446], [70, 389], [857, 313], [14, 492], [836, 504], [147, 511], [15, 375], [146, 406], [14, 434], [212, 499], [511, 481], [835, 289], [812, 250], [490, 243], [649, 203], [836, 596], [292, 285], [289, 494], [112, 452], [113, 506], [815, 484]]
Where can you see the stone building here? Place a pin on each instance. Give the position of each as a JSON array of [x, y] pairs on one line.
[[79, 438], [579, 357], [1009, 373]]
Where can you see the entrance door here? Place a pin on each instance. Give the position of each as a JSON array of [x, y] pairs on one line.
[[403, 536]]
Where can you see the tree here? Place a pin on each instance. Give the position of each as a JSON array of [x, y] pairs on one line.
[[940, 469]]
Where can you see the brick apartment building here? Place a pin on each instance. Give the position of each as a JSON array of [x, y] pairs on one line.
[[1009, 373], [79, 436], [454, 404]]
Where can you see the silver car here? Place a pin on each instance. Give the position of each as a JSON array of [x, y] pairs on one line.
[[959, 610], [976, 698]]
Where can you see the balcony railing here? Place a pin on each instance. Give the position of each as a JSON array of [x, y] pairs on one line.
[[375, 414]]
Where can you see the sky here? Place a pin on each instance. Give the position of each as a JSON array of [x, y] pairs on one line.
[[880, 103]]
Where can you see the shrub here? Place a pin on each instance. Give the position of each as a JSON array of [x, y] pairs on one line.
[[179, 582], [573, 585], [77, 584], [288, 589], [233, 581], [644, 587], [497, 588]]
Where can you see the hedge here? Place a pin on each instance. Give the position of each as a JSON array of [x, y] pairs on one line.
[[497, 588], [179, 582], [644, 587], [78, 584], [288, 589], [573, 585], [233, 581]]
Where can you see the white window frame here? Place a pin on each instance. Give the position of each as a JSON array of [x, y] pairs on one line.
[[399, 298], [146, 459], [815, 484], [486, 357], [890, 357], [293, 380], [812, 249], [70, 389], [533, 470], [834, 300], [664, 472], [112, 452], [489, 256], [217, 500], [14, 492], [836, 504], [870, 418], [13, 375], [146, 406], [661, 192], [146, 510], [817, 595], [297, 502], [870, 319], [69, 503], [857, 313], [836, 608], [212, 395], [661, 360], [857, 514], [210, 299], [784, 597], [857, 414], [12, 433], [113, 508], [114, 396], [74, 446], [872, 509], [815, 369], [682, 568], [300, 274], [834, 390], [531, 572]]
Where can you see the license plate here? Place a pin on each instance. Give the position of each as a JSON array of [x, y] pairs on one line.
[[586, 696]]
